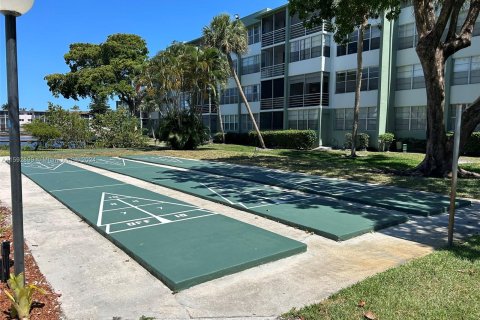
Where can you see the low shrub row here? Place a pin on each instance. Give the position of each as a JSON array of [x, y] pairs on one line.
[[282, 139]]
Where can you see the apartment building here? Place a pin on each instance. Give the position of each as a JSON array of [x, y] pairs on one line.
[[298, 78]]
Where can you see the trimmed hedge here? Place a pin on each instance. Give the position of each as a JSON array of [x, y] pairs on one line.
[[282, 139], [287, 139]]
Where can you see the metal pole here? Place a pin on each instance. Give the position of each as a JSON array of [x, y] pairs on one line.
[[453, 193], [15, 156]]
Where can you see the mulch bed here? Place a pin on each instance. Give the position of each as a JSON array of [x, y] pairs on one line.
[[45, 306]]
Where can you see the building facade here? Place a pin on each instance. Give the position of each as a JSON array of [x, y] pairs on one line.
[[298, 78]]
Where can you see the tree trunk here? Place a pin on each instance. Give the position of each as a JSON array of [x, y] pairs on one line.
[[219, 115], [358, 86], [438, 156], [244, 98]]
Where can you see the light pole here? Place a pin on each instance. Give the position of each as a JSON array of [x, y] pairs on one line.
[[11, 9]]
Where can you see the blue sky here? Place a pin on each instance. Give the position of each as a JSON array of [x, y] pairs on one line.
[[45, 33]]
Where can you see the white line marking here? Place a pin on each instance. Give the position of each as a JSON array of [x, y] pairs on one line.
[[156, 224], [144, 211], [70, 171], [107, 185], [160, 215], [100, 210], [153, 201]]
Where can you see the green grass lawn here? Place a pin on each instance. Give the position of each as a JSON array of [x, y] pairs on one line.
[[372, 167], [442, 285]]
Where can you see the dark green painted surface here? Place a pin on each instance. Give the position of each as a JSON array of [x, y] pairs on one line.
[[410, 201], [190, 247], [326, 217]]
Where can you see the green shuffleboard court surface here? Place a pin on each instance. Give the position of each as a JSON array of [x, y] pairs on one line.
[[326, 217], [409, 201], [181, 244]]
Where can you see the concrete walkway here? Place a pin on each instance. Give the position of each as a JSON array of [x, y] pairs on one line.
[[98, 281]]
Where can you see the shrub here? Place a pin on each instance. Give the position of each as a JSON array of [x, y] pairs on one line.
[[472, 147], [363, 140], [117, 129], [348, 141], [183, 129], [385, 140], [217, 137], [21, 296], [242, 138], [287, 139], [42, 131]]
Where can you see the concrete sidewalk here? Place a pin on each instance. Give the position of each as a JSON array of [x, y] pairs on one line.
[[98, 281]]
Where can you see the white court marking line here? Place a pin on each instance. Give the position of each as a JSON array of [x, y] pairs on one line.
[[156, 201], [160, 215], [107, 185], [156, 224], [162, 220], [70, 171], [100, 210]]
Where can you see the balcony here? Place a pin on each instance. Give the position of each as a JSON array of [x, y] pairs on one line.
[[273, 71], [298, 30], [273, 37], [204, 109], [271, 103], [308, 100]]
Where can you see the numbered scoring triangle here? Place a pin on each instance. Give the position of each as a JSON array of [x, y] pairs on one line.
[[122, 212], [45, 165]]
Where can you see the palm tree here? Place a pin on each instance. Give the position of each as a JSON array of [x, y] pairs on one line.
[[231, 37], [212, 72]]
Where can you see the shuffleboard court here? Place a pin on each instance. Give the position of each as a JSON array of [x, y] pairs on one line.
[[409, 201], [324, 216], [181, 244]]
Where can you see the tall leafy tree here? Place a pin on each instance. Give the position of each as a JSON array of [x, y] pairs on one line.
[[440, 35], [99, 71], [346, 17], [230, 37]]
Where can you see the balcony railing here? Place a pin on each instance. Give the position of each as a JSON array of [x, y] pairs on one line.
[[271, 103], [298, 30], [272, 37], [205, 109], [273, 71], [307, 100]]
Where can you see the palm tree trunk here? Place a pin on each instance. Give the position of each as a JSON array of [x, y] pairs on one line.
[[247, 105], [219, 115], [358, 86]]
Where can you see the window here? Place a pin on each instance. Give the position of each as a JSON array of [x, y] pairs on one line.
[[407, 36], [251, 64], [466, 70], [410, 77], [371, 41], [411, 118], [254, 34], [252, 92], [452, 112], [271, 120], [303, 119], [247, 123], [367, 119], [309, 48], [346, 80], [229, 96], [230, 122]]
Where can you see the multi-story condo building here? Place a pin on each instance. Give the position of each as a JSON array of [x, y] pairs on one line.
[[298, 78]]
